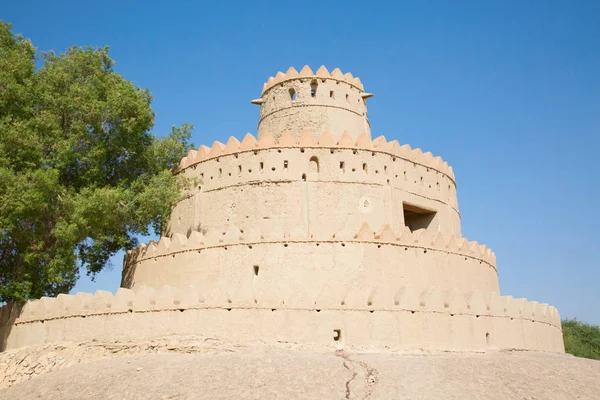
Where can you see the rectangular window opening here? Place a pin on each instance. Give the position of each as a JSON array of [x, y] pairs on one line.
[[337, 335], [256, 270], [418, 218], [285, 165], [342, 166]]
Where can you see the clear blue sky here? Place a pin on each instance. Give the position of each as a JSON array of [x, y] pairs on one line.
[[507, 92]]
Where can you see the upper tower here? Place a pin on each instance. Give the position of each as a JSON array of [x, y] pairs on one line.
[[313, 102]]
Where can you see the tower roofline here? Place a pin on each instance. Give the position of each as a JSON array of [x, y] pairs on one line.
[[307, 73]]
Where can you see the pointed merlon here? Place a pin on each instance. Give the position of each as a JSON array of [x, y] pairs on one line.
[[306, 72], [405, 152], [380, 142], [306, 139], [365, 232], [345, 140], [286, 140], [196, 238], [216, 149], [163, 245], [363, 141], [233, 146], [405, 236], [337, 74], [201, 154], [393, 147], [190, 157], [428, 158], [178, 242], [291, 73], [248, 143], [326, 140], [266, 140], [278, 78], [438, 164], [322, 72], [349, 78], [386, 234]]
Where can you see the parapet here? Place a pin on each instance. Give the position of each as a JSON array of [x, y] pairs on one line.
[[325, 140], [373, 318], [307, 73], [422, 239]]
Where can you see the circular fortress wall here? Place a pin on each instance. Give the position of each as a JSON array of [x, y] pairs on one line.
[[254, 262], [318, 188], [313, 102], [396, 319]]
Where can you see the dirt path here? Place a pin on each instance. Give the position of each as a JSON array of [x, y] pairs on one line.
[[292, 374]]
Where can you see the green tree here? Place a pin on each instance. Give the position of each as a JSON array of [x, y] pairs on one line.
[[80, 172]]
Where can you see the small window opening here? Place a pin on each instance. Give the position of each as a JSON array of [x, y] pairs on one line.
[[337, 334], [285, 165], [292, 94], [262, 166], [365, 168], [342, 166], [239, 169], [331, 95], [304, 177], [487, 338], [256, 270], [220, 172], [348, 98], [313, 164], [418, 218], [313, 88]]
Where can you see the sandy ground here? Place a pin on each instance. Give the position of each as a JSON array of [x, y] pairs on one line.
[[264, 373]]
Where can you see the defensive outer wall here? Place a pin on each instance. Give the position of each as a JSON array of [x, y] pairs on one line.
[[312, 233]]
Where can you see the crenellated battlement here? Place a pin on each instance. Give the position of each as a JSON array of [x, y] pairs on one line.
[[326, 140], [421, 239], [385, 317], [354, 298], [306, 73]]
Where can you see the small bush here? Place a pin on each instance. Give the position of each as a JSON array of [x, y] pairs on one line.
[[581, 340]]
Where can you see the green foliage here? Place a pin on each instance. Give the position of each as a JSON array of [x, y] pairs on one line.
[[80, 172], [581, 340]]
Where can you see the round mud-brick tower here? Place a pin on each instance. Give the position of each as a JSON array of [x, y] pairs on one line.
[[313, 102], [313, 233]]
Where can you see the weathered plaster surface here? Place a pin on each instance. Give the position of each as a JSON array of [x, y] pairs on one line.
[[382, 318], [321, 263]]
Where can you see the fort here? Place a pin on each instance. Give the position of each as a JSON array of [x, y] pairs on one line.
[[312, 232]]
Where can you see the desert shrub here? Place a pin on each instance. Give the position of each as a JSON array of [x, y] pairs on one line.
[[581, 339]]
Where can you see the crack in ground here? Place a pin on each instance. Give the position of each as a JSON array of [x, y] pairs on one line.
[[370, 377], [354, 374]]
